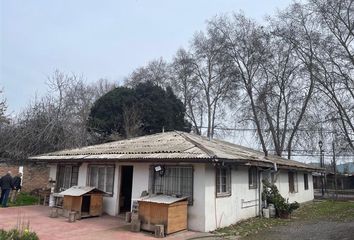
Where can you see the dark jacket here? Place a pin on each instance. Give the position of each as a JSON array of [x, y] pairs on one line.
[[17, 182], [6, 182]]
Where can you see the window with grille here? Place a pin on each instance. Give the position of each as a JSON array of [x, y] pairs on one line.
[[101, 177], [172, 180], [67, 176], [223, 181], [252, 177], [306, 181], [292, 176]]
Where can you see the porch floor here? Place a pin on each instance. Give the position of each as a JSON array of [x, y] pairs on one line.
[[104, 227]]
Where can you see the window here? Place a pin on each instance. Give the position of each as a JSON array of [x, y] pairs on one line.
[[292, 182], [223, 181], [252, 177], [172, 180], [101, 177], [306, 181], [67, 176]]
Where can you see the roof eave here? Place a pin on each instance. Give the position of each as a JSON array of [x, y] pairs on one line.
[[245, 162]]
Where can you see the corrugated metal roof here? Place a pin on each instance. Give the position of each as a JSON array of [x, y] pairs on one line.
[[79, 191], [165, 199], [168, 146]]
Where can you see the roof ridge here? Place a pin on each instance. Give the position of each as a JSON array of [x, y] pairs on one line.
[[198, 145]]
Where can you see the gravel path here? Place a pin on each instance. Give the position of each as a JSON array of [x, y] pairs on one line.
[[307, 230]]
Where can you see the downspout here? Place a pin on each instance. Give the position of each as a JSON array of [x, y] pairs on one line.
[[215, 211], [214, 163], [259, 194]]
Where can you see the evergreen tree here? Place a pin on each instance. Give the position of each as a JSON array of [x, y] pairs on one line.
[[129, 112]]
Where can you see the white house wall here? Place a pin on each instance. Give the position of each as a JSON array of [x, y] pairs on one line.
[[224, 211], [301, 195], [208, 212], [140, 179], [196, 212]]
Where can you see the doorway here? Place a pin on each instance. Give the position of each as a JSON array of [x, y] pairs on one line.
[[126, 185], [85, 207]]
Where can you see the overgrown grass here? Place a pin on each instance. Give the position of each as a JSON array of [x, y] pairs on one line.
[[24, 199], [326, 210], [317, 210], [250, 226]]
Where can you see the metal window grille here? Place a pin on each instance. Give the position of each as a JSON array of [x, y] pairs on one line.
[[175, 180]]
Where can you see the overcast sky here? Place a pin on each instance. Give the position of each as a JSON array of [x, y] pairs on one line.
[[99, 39]]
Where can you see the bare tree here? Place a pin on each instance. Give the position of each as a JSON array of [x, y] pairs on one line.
[[211, 69], [55, 121], [336, 62], [3, 107], [156, 71], [186, 85], [280, 92], [297, 27], [244, 40]]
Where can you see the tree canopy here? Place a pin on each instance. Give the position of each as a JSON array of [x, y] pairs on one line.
[[128, 112]]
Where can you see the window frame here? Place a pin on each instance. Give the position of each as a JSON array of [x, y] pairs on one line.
[[105, 166], [252, 177], [218, 179], [294, 180], [154, 176], [64, 167], [306, 181]]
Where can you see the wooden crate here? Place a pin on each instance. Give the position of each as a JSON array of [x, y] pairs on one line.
[[173, 216], [75, 203]]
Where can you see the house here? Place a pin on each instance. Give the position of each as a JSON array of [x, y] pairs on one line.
[[221, 180]]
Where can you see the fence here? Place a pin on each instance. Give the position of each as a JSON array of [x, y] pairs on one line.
[[337, 187]]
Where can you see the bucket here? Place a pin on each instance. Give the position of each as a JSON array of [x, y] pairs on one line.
[[266, 212], [51, 200]]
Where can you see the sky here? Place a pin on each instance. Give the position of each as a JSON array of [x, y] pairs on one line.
[[99, 39]]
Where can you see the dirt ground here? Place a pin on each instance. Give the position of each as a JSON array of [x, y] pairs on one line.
[[306, 230]]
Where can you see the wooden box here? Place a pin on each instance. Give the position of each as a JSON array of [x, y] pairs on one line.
[[173, 215], [85, 201]]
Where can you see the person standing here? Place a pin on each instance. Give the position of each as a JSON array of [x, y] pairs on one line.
[[6, 187], [17, 186]]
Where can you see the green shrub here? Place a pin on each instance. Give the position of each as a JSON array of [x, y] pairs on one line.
[[271, 195], [23, 199]]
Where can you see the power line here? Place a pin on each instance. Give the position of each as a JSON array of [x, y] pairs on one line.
[[267, 130]]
